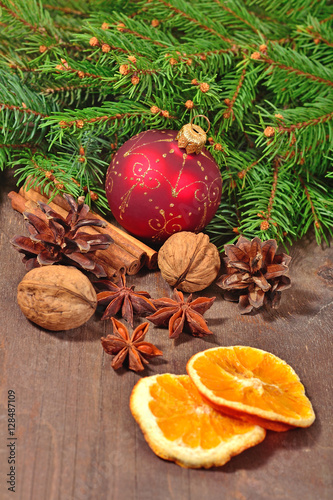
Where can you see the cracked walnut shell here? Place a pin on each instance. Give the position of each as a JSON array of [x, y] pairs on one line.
[[188, 261], [57, 297]]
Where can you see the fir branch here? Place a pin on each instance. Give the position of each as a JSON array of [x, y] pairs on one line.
[[317, 37], [22, 109], [297, 71], [16, 146], [230, 103], [242, 173], [66, 10], [92, 74], [15, 16], [307, 194], [195, 21], [327, 19], [321, 119], [267, 215], [237, 16]]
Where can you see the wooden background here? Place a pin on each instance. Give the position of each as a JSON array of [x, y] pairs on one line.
[[76, 438]]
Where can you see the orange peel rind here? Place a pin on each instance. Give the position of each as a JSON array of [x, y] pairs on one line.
[[179, 426], [253, 385]]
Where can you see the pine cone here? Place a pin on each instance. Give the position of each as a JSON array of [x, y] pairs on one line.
[[60, 241], [255, 274]]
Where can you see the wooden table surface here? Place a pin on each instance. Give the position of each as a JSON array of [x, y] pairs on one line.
[[76, 438]]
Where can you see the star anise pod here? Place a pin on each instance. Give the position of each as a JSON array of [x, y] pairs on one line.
[[58, 240], [180, 315], [135, 348], [119, 296], [256, 275]]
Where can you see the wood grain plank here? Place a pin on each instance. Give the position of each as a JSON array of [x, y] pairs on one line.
[[76, 437]]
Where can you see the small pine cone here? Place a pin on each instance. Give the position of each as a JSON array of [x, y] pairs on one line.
[[106, 47], [218, 147], [194, 81], [132, 59], [80, 74], [211, 140], [256, 55], [155, 23], [278, 115], [58, 184], [204, 87], [263, 48], [256, 275], [121, 27], [173, 61], [317, 224], [269, 131], [59, 67], [203, 57], [42, 49], [226, 115], [165, 113], [64, 242], [105, 26], [94, 42], [63, 124], [155, 110], [189, 62], [81, 159], [227, 101], [135, 80], [264, 225], [241, 174], [49, 175], [79, 123], [189, 104], [93, 195], [124, 69], [81, 150], [316, 41]]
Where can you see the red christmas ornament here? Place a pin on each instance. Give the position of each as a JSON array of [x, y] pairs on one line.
[[155, 188]]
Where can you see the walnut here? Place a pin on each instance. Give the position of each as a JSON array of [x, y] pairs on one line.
[[188, 261], [57, 297]]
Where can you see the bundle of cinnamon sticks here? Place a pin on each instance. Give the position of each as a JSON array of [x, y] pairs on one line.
[[125, 255]]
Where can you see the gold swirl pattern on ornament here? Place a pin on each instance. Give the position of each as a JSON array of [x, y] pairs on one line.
[[163, 225], [202, 222]]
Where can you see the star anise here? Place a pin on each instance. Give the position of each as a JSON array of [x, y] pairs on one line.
[[119, 296], [180, 315], [135, 348], [255, 273], [58, 240]]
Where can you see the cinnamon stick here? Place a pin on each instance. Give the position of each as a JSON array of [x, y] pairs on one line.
[[120, 258], [120, 237], [20, 204]]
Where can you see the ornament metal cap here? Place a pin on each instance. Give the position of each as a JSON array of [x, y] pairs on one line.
[[192, 137]]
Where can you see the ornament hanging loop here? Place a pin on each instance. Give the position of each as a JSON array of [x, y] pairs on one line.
[[202, 116], [192, 137]]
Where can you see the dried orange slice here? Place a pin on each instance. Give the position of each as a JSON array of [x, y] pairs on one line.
[[253, 385], [179, 426]]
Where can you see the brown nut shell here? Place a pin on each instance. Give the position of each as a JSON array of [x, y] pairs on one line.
[[188, 261], [57, 297]]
